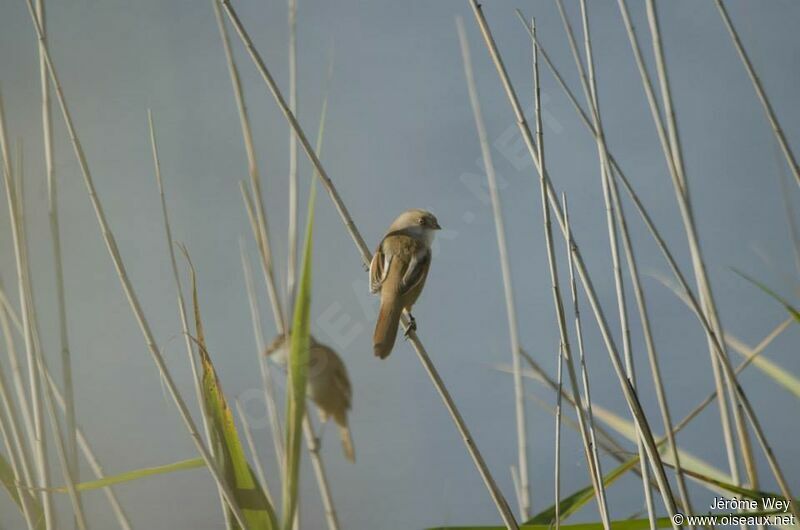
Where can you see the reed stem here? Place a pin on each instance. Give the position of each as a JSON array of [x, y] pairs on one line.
[[508, 291], [125, 282], [587, 395], [39, 441], [366, 256], [762, 95], [628, 391]]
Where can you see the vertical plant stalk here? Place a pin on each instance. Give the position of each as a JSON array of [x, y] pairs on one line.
[[704, 287], [91, 458], [264, 368], [313, 446], [83, 443], [39, 443], [251, 446], [262, 236], [55, 234], [496, 494], [593, 464], [312, 442], [592, 99], [628, 391], [607, 442], [292, 259], [125, 282], [762, 95], [557, 457], [620, 174], [587, 394], [187, 335], [7, 311], [502, 248], [16, 451], [33, 330], [594, 472]]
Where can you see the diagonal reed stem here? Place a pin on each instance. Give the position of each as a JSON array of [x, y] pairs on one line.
[[187, 334], [127, 286], [762, 95], [83, 442], [590, 92], [264, 368], [291, 270], [502, 248], [18, 222], [483, 469], [587, 395], [627, 389], [39, 439], [672, 152], [55, 234], [15, 447]]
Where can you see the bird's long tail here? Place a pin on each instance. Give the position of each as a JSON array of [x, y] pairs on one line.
[[347, 443], [386, 327]]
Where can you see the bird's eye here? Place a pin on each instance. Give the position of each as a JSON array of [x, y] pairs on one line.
[[421, 221]]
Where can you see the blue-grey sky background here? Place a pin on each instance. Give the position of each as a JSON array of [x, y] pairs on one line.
[[400, 134]]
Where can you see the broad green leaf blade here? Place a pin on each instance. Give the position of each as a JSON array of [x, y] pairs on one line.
[[298, 372], [10, 485], [136, 474], [228, 451], [792, 311], [623, 524], [744, 492], [688, 461], [620, 524]]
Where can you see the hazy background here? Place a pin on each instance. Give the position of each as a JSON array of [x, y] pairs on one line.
[[400, 134]]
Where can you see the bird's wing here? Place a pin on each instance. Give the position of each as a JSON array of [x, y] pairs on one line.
[[416, 271], [342, 383], [378, 268]]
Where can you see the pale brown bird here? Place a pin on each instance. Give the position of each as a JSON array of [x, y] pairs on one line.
[[398, 271], [328, 385]]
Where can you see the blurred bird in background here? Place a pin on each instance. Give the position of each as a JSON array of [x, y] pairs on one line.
[[328, 384], [398, 271]]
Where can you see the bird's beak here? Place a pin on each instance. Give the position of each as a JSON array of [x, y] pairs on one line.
[[436, 225]]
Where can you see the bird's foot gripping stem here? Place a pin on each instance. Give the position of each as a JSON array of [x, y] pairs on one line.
[[412, 326]]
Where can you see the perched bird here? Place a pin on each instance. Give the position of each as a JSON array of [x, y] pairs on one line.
[[398, 271], [328, 385]]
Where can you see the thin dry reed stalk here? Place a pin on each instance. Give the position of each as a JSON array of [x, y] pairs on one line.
[[33, 330], [55, 234], [251, 446], [762, 95], [91, 458], [263, 365], [587, 394], [16, 451], [39, 441], [483, 469], [592, 99], [125, 282], [83, 442], [682, 194], [292, 259], [262, 235], [7, 311], [628, 391], [187, 334], [508, 291]]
